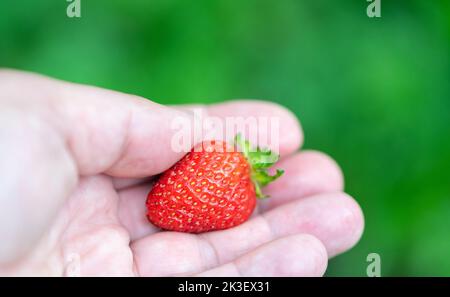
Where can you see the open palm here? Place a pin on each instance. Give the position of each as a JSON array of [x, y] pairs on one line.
[[78, 162]]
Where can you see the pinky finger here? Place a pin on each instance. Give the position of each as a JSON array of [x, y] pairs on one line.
[[296, 255]]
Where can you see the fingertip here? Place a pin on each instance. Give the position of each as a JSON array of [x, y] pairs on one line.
[[306, 173], [320, 167], [352, 218], [342, 221], [334, 218], [290, 134]]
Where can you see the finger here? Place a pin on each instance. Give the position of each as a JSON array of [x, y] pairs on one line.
[[296, 255], [289, 132], [306, 173], [334, 218], [285, 138], [105, 131]]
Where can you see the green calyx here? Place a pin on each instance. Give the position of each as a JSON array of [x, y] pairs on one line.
[[260, 160]]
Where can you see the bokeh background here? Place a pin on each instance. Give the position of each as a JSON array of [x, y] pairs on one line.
[[372, 93]]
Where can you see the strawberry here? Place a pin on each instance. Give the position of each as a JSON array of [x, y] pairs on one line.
[[213, 187]]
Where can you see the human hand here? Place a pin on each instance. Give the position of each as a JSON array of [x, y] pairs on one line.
[[76, 165]]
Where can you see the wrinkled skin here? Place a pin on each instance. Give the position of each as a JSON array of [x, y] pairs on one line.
[[76, 165]]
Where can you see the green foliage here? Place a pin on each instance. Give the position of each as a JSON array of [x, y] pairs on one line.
[[372, 93]]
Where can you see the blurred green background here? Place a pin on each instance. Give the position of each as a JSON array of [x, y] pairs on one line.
[[372, 93]]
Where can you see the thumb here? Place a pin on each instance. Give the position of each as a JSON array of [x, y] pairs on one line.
[[51, 132]]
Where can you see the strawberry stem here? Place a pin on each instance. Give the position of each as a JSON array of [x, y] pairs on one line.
[[260, 160]]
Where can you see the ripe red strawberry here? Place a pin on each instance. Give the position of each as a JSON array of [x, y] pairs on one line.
[[213, 187]]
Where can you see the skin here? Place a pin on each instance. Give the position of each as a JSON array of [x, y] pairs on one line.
[[76, 167]]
